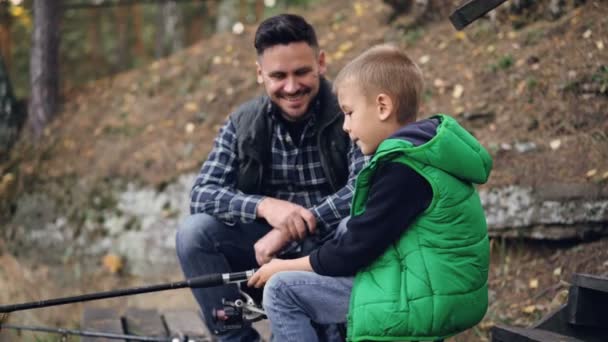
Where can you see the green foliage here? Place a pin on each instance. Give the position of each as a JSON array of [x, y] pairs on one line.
[[413, 35], [84, 58], [505, 62], [601, 77]]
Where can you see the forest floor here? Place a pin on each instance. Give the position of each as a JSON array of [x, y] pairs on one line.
[[533, 90]]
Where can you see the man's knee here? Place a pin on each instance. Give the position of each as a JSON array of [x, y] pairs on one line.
[[195, 232]]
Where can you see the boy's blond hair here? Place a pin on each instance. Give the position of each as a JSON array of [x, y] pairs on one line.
[[386, 69]]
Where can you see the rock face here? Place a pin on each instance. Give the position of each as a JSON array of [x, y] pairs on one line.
[[554, 211], [141, 228]]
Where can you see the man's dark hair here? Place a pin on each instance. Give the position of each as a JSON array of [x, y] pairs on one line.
[[284, 29]]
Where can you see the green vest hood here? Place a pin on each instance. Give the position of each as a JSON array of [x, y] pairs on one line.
[[442, 143]]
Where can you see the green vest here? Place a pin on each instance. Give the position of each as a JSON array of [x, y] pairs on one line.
[[433, 282]]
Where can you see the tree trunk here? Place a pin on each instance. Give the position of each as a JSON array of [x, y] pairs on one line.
[[121, 16], [44, 64], [259, 10], [10, 115], [227, 15], [169, 39], [94, 41], [138, 47], [5, 34]]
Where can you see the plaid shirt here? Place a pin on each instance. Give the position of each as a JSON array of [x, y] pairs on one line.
[[296, 175]]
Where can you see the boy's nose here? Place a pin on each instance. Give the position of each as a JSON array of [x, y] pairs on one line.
[[346, 125]]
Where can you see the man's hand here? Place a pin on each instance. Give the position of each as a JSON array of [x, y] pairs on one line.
[[268, 246], [293, 219]]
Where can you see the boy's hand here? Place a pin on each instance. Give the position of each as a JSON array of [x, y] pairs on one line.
[[269, 245], [261, 276], [264, 273], [291, 218]]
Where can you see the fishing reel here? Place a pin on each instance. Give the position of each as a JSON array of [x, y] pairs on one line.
[[236, 314]]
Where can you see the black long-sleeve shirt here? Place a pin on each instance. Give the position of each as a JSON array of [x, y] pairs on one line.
[[397, 196]]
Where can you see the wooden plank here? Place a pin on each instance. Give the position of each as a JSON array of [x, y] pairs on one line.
[[591, 282], [144, 322], [105, 320], [557, 322], [501, 333], [587, 307], [182, 323]]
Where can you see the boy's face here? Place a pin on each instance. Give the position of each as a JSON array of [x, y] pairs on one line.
[[365, 117], [291, 76]]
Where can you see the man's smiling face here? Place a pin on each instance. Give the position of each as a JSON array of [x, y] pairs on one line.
[[291, 76]]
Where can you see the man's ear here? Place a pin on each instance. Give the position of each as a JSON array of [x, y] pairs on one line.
[[322, 63], [260, 79], [385, 106]]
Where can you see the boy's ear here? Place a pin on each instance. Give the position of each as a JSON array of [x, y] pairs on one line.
[[385, 106]]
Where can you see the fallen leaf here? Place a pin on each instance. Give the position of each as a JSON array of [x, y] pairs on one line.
[[191, 107], [189, 128], [458, 91], [424, 59], [112, 262], [460, 35], [557, 272], [591, 173], [555, 144], [347, 45], [521, 87], [358, 9], [529, 309], [587, 34], [533, 284]]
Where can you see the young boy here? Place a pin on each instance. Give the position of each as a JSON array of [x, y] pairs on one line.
[[417, 238]]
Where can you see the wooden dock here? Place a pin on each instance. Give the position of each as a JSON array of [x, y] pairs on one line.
[[175, 324]]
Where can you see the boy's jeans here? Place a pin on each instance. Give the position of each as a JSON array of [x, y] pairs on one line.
[[293, 299]]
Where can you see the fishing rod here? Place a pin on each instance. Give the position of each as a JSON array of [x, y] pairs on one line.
[[208, 280], [85, 333], [232, 315]]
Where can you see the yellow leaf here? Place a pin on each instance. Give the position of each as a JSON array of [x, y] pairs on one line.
[[529, 309], [533, 283], [347, 45], [458, 91], [358, 9], [460, 35], [112, 263], [191, 107], [190, 128], [557, 272]]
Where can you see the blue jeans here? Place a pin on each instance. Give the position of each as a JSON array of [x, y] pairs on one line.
[[294, 300], [206, 245]]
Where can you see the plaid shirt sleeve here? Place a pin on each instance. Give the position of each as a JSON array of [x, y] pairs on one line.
[[337, 206], [214, 191]]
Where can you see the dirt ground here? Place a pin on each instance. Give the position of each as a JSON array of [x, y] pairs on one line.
[[533, 90]]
